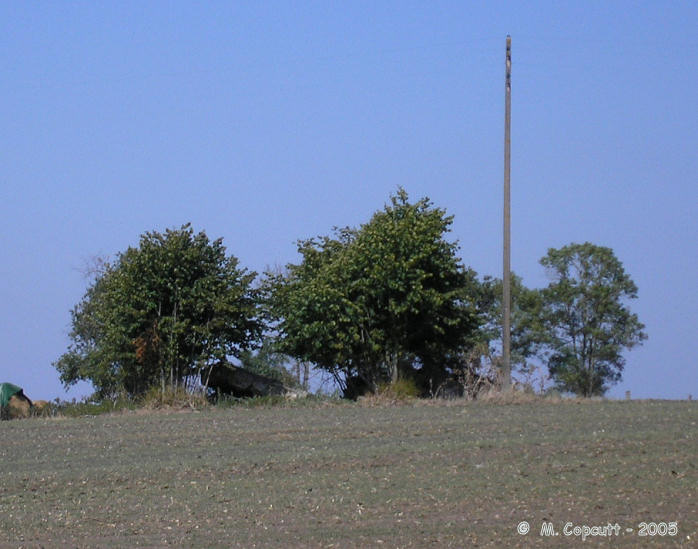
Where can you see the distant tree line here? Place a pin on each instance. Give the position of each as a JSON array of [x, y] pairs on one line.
[[373, 305]]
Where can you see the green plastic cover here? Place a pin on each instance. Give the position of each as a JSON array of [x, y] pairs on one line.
[[6, 392]]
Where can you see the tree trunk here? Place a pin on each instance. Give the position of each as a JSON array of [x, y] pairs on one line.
[[392, 360], [306, 376]]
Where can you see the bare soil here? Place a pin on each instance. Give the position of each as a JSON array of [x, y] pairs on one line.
[[463, 475]]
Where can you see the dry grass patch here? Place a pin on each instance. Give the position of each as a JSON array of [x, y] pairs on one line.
[[173, 398]]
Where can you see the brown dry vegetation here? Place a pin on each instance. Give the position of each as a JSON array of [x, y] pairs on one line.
[[456, 475], [19, 406]]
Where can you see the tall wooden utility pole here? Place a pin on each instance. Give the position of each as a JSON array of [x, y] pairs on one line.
[[506, 279]]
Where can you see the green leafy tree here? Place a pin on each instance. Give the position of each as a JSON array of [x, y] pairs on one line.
[[160, 312], [267, 361], [384, 301], [527, 336], [586, 318]]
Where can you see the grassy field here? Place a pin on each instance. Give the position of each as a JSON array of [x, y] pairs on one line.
[[346, 475]]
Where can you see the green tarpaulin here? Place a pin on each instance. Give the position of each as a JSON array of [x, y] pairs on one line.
[[6, 392]]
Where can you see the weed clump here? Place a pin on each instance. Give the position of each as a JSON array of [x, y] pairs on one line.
[[402, 389], [399, 392], [173, 397]]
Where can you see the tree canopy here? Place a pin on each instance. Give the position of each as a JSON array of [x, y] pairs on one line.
[[388, 299], [160, 312], [268, 362], [585, 317], [526, 334], [370, 305]]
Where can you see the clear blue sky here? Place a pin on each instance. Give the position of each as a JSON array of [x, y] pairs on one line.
[[266, 122]]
